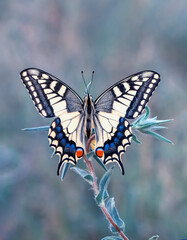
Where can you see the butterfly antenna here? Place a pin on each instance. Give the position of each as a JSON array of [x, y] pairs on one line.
[[91, 80], [83, 79]]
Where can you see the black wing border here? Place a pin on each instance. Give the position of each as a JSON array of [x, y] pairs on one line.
[[55, 79], [122, 80]]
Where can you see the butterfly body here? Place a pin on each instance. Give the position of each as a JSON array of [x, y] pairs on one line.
[[89, 111], [75, 118]]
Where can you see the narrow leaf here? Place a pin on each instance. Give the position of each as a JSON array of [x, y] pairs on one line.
[[42, 128], [106, 195], [164, 121], [156, 237], [134, 138], [103, 186], [137, 121], [158, 127], [115, 216], [150, 125], [112, 238], [147, 113], [100, 162], [87, 88], [84, 174], [89, 155], [160, 137], [64, 170]]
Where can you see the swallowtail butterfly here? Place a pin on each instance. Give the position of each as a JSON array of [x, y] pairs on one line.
[[75, 117]]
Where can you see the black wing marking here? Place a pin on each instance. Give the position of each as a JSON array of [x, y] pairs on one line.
[[51, 96], [128, 97]]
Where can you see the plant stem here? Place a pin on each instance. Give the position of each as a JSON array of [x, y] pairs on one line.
[[96, 188], [92, 172]]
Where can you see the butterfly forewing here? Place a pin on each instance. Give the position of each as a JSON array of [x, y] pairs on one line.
[[129, 96], [51, 96], [126, 99]]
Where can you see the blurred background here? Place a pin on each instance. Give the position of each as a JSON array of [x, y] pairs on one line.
[[116, 39]]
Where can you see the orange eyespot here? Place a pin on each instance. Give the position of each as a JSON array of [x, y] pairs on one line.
[[99, 152], [79, 152]]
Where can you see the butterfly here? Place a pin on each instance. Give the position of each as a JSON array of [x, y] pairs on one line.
[[76, 117]]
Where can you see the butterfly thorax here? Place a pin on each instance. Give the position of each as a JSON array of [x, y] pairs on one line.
[[88, 110]]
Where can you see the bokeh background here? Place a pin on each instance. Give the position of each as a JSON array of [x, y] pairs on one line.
[[116, 39]]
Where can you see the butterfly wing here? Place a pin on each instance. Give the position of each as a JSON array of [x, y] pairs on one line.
[[113, 135], [126, 99], [53, 98], [66, 136]]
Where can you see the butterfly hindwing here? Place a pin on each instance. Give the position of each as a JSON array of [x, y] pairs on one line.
[[51, 96], [126, 99], [67, 138], [113, 135]]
